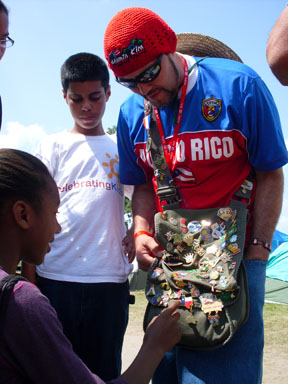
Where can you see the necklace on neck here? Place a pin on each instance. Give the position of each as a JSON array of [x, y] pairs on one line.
[[176, 103]]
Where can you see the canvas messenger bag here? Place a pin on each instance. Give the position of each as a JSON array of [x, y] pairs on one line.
[[201, 263]]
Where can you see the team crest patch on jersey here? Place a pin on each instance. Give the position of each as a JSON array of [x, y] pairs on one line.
[[211, 108]]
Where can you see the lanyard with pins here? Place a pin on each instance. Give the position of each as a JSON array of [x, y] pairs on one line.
[[170, 153]]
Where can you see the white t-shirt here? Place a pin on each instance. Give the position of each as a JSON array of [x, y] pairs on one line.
[[91, 213]]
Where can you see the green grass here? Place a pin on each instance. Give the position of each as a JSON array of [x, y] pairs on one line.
[[275, 325]]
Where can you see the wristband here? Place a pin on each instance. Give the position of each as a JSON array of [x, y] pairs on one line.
[[264, 244], [139, 233]]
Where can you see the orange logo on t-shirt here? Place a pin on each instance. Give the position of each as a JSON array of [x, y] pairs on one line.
[[111, 164]]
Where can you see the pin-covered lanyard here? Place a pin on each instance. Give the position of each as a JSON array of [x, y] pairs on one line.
[[170, 155]]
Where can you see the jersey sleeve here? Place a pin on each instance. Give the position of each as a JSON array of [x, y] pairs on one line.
[[262, 127], [37, 346]]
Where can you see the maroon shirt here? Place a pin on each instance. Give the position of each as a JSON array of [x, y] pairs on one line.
[[35, 350]]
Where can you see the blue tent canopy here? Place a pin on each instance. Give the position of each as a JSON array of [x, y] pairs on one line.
[[278, 239], [277, 267], [276, 289]]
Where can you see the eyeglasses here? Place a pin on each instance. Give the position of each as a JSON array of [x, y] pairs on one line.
[[6, 42], [145, 77]]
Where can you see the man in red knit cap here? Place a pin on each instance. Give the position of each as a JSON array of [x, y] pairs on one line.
[[218, 124]]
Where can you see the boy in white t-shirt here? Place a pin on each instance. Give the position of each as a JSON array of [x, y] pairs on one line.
[[85, 274]]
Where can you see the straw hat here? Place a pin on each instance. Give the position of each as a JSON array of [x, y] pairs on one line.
[[200, 45]]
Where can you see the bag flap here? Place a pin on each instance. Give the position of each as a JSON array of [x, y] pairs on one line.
[[203, 242]]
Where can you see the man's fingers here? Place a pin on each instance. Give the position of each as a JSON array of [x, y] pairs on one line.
[[144, 262], [146, 250], [154, 247]]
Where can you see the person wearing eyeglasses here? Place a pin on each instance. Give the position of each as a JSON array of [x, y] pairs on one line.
[[5, 39], [218, 124]]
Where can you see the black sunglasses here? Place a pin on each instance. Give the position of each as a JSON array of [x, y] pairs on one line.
[[6, 42], [145, 77]]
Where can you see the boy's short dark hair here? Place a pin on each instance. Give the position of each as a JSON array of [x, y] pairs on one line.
[[84, 67]]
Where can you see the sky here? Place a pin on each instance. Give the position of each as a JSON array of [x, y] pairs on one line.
[[47, 32]]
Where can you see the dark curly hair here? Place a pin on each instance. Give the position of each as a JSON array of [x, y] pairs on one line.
[[22, 177]]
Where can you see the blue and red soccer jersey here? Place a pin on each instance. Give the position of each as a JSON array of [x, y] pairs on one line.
[[230, 125]]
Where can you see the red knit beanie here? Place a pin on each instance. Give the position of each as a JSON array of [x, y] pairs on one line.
[[134, 37]]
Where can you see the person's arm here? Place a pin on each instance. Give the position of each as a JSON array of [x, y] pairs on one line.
[[266, 211], [161, 335], [143, 208], [29, 272], [277, 48], [40, 350]]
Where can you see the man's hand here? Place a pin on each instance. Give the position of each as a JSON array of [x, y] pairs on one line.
[[257, 252], [143, 208], [146, 250]]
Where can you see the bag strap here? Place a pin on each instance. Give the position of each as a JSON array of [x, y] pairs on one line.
[[6, 287], [167, 192]]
